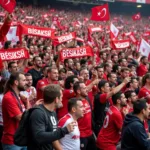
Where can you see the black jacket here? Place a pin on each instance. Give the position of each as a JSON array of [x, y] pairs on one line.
[[43, 130], [134, 136]]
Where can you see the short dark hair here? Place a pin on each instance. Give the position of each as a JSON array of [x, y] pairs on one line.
[[142, 58], [34, 58], [51, 68], [51, 92], [102, 84], [10, 82], [128, 94], [115, 97], [110, 74], [10, 64], [72, 103], [28, 74], [68, 81], [76, 86], [139, 105], [145, 77], [97, 67]]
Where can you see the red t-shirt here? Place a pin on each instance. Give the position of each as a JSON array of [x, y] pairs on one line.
[[67, 94], [110, 133], [85, 123], [41, 83], [142, 70], [10, 109], [144, 92]]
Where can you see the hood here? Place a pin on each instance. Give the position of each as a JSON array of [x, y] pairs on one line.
[[131, 118]]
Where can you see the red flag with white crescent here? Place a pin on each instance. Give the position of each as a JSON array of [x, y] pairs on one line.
[[136, 17], [8, 5]]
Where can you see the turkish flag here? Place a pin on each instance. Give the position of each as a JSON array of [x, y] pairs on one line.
[[144, 48], [8, 5], [113, 31], [100, 13], [136, 17]]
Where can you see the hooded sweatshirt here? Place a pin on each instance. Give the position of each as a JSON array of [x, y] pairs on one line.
[[134, 136]]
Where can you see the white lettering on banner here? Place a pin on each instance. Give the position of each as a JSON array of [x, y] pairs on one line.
[[12, 55], [65, 38], [39, 32], [132, 38], [122, 45], [73, 53], [95, 29]]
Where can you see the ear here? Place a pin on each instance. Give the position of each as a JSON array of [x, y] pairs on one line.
[[73, 109], [56, 100], [16, 82]]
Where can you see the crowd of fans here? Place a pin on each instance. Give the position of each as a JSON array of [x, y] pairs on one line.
[[111, 84]]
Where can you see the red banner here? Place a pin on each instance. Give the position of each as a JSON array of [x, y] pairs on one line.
[[95, 29], [14, 54], [35, 31], [121, 44], [64, 38], [75, 52]]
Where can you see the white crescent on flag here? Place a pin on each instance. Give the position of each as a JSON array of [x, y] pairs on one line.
[[6, 2], [99, 13]]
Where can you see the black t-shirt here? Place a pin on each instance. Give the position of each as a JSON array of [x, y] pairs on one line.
[[36, 75], [43, 129], [100, 110]]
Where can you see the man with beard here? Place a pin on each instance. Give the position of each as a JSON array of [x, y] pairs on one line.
[[109, 135], [43, 129], [30, 92], [13, 105], [52, 78], [36, 70], [87, 140]]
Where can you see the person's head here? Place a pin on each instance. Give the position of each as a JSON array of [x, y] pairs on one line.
[[121, 55], [53, 94], [77, 66], [29, 79], [123, 62], [52, 73], [125, 72], [80, 89], [16, 81], [84, 73], [70, 81], [134, 83], [108, 67], [44, 70], [62, 73], [83, 63], [69, 73], [114, 58], [12, 67], [37, 62], [69, 63], [103, 55], [103, 86], [146, 79], [131, 96], [144, 60], [112, 77], [141, 107], [100, 71], [119, 99], [75, 107]]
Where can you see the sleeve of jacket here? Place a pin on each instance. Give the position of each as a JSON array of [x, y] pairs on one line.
[[4, 29], [38, 129], [142, 138]]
